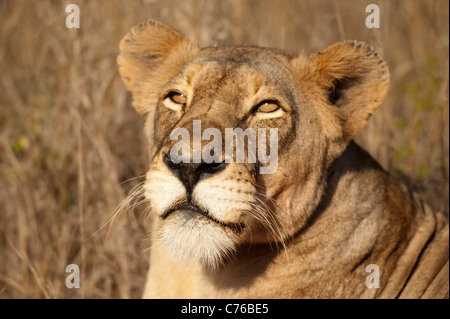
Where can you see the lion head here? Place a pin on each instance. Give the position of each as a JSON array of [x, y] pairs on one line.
[[205, 202]]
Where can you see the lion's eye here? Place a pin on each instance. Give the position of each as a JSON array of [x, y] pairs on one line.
[[267, 107], [177, 98]]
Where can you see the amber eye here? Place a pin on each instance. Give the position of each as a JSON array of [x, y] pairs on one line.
[[177, 98], [267, 107]]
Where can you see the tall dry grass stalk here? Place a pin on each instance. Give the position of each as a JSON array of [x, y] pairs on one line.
[[69, 140]]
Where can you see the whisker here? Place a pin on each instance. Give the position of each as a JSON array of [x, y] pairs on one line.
[[132, 179], [134, 199], [272, 218], [274, 222]]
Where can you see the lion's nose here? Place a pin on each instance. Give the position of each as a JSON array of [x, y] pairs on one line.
[[190, 173]]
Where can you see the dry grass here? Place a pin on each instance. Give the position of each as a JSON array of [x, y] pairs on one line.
[[69, 138]]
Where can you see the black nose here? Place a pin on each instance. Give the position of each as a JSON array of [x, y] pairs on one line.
[[190, 173]]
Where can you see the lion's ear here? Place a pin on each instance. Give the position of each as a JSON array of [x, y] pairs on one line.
[[355, 79], [150, 54]]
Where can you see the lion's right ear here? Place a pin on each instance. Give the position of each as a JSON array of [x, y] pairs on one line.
[[150, 55], [355, 79]]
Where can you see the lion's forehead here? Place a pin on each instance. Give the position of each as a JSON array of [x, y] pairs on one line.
[[239, 75]]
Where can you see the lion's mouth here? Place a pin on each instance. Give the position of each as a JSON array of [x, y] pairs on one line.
[[191, 210]]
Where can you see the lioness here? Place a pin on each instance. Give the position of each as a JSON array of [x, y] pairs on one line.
[[309, 230]]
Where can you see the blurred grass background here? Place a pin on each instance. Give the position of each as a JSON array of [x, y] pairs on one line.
[[71, 144]]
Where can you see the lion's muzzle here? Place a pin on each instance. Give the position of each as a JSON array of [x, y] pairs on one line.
[[191, 173]]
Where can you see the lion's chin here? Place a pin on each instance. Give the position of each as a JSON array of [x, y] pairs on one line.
[[189, 235]]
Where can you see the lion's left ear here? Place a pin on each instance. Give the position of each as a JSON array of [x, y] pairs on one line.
[[355, 79]]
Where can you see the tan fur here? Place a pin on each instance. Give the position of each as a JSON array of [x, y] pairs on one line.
[[310, 229]]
